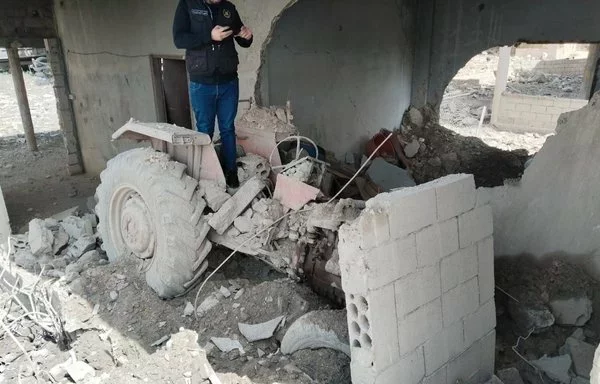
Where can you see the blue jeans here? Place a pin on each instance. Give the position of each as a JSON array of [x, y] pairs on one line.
[[211, 101]]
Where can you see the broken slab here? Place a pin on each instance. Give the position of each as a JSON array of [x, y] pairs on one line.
[[263, 331], [25, 259], [77, 227], [318, 329], [294, 194], [61, 240], [510, 376], [388, 176], [222, 219], [40, 238], [83, 244], [582, 355], [556, 368], [226, 345], [573, 311]]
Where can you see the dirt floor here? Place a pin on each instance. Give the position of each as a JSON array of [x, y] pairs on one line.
[[473, 88], [36, 184]]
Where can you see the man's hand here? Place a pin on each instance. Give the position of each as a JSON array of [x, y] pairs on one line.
[[220, 33], [245, 33]]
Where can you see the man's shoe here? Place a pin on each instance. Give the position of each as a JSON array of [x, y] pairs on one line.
[[232, 180]]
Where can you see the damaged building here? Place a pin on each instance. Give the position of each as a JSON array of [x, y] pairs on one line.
[[367, 242]]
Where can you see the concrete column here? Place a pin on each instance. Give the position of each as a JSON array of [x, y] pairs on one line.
[[64, 106], [591, 68], [17, 74], [501, 81]]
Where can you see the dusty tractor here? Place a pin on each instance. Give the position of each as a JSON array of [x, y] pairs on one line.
[[167, 205]]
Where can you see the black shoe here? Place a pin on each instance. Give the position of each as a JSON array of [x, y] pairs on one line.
[[232, 180]]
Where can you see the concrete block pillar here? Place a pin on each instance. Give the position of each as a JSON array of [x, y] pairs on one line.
[[64, 106], [21, 92], [501, 81]]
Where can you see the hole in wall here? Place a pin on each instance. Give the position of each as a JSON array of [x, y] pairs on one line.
[[364, 323], [354, 327], [356, 344], [362, 304], [366, 340], [353, 311]]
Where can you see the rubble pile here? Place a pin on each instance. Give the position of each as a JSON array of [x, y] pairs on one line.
[[535, 83], [61, 246], [547, 329]]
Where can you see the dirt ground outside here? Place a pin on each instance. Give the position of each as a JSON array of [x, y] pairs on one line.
[[36, 184]]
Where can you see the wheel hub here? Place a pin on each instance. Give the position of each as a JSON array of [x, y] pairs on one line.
[[137, 229]]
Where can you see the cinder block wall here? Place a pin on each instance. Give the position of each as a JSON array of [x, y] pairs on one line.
[[524, 113], [417, 269], [562, 67]]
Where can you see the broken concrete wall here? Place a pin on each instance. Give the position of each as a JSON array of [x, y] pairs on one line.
[[450, 33], [343, 86], [526, 113], [417, 270], [554, 208], [108, 47]]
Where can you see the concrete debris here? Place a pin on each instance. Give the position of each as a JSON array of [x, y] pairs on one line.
[[86, 261], [61, 240], [416, 117], [579, 334], [318, 329], [77, 227], [388, 176], [263, 331], [244, 224], [294, 194], [25, 259], [510, 376], [114, 295], [333, 265], [226, 345], [537, 318], [260, 353], [556, 368], [40, 238], [188, 310], [84, 244], [582, 355], [223, 218], [225, 292], [208, 303], [330, 216], [51, 224], [239, 294], [92, 219], [80, 371], [253, 165], [574, 311], [214, 195], [411, 149], [66, 213], [160, 341]]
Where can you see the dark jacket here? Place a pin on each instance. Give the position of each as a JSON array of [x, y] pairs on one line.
[[208, 61]]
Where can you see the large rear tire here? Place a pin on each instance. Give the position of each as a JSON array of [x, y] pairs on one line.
[[149, 208]]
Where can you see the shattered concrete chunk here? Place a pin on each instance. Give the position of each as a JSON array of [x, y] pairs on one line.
[[333, 265], [214, 194], [40, 238], [244, 224], [411, 149], [556, 368], [226, 345], [415, 117], [77, 227], [83, 244], [92, 219], [208, 303], [574, 311], [253, 165], [188, 310], [530, 317], [114, 295], [80, 371], [225, 292], [51, 224], [263, 331], [239, 294], [582, 355], [61, 240], [510, 376], [222, 219], [318, 329], [25, 259]]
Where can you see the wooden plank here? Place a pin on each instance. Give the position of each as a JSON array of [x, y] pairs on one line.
[[167, 132]]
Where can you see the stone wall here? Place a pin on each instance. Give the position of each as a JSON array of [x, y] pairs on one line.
[[562, 67], [525, 113], [417, 269]]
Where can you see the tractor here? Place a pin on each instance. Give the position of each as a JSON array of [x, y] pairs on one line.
[[167, 204]]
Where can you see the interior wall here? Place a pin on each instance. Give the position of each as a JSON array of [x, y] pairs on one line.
[[451, 32], [345, 65], [108, 45]]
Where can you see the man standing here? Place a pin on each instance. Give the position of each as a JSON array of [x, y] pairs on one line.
[[206, 29]]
